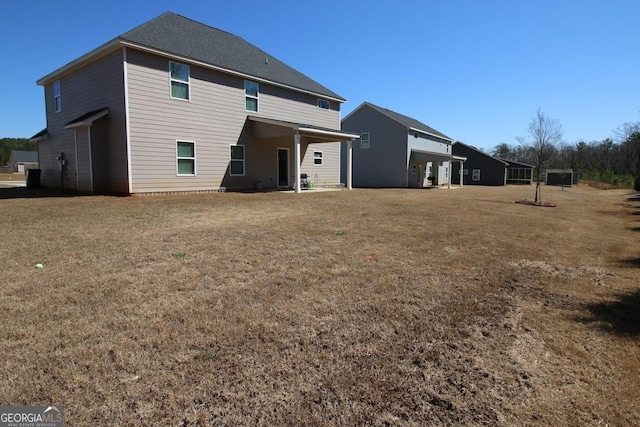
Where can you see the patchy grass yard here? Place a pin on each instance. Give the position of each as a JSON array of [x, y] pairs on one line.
[[369, 307]]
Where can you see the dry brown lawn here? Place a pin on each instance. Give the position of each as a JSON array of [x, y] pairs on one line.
[[369, 307], [12, 177]]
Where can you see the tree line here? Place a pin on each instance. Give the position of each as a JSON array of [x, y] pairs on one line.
[[614, 160], [9, 144]]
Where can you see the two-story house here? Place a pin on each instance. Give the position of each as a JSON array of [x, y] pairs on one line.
[[395, 150], [176, 105]]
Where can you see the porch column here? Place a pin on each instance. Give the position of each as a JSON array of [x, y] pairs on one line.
[[296, 150], [461, 173], [349, 164]]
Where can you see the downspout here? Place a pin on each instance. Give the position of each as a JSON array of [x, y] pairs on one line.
[[75, 142], [90, 158], [126, 118]]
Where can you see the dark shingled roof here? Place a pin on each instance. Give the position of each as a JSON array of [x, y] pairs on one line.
[[43, 132], [407, 121], [177, 35]]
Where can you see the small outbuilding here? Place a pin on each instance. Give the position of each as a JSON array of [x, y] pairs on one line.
[[563, 177], [20, 160]]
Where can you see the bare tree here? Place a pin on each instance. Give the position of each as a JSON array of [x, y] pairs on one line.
[[543, 137], [623, 136]]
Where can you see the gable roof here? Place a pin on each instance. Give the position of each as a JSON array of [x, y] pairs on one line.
[[21, 156], [407, 121], [469, 147], [514, 163], [174, 35]]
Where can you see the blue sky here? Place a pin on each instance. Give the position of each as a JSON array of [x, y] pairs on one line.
[[474, 70]]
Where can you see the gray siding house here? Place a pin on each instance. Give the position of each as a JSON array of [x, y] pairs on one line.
[[480, 168], [484, 169], [176, 105], [19, 160], [395, 150]]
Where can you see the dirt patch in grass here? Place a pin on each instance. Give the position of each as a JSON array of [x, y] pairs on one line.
[[368, 307]]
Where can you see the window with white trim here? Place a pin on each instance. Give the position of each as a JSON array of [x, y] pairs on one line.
[[324, 104], [476, 175], [365, 140], [179, 75], [57, 96], [251, 90], [317, 158], [236, 160], [413, 169], [186, 158], [465, 171]]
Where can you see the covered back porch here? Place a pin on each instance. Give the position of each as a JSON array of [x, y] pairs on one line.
[[429, 169], [294, 149]]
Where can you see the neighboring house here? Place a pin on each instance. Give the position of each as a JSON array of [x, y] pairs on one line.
[[562, 177], [479, 168], [395, 150], [519, 173], [176, 105], [20, 160], [483, 169]]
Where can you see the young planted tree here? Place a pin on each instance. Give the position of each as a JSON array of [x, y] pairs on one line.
[[544, 136]]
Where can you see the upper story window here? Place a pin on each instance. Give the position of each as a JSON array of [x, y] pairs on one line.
[[365, 139], [179, 74], [236, 154], [56, 95], [324, 104], [186, 157], [251, 90]]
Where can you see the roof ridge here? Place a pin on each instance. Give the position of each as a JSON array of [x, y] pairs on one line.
[[408, 119]]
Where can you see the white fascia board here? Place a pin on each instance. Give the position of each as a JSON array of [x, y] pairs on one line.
[[226, 70], [118, 43], [431, 134], [88, 57], [88, 121], [330, 133], [353, 111]]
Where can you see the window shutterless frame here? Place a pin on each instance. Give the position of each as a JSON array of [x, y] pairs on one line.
[[365, 140], [317, 158], [185, 158], [324, 104], [179, 81], [236, 160], [57, 98], [251, 92]]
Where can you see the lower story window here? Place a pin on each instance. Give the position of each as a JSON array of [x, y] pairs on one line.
[[236, 167], [186, 157], [317, 158], [476, 175]]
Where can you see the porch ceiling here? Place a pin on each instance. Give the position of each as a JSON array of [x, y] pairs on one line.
[[265, 128], [429, 156]]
